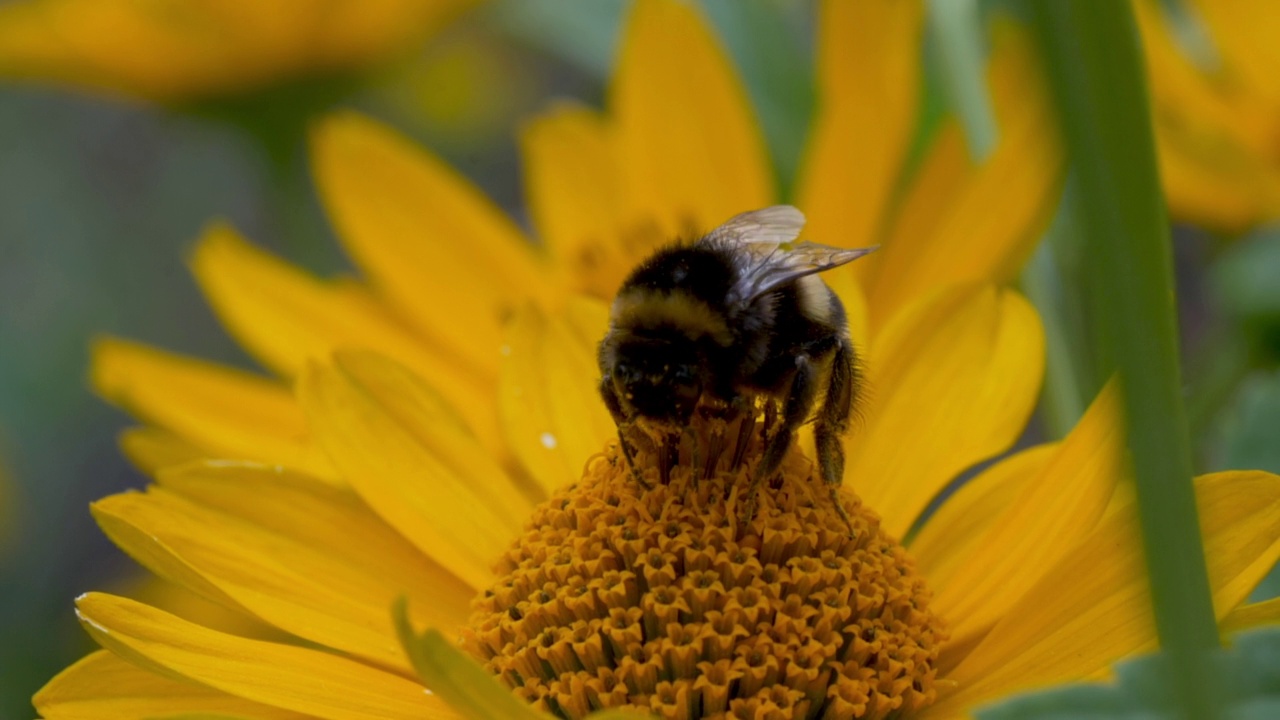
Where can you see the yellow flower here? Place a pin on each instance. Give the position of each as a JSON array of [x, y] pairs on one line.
[[442, 407], [1217, 115], [174, 51]]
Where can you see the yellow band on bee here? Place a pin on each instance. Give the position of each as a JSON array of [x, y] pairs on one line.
[[640, 308]]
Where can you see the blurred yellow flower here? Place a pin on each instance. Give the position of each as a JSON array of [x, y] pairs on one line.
[[1217, 113], [441, 414], [175, 51]]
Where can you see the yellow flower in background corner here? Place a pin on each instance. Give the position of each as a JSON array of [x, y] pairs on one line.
[[1217, 112], [180, 51]]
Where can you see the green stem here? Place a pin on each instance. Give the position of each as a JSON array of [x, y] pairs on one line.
[[1096, 73]]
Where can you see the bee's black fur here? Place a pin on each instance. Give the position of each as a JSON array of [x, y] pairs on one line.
[[789, 346]]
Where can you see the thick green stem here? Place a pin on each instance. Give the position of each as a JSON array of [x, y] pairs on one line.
[[1095, 68]]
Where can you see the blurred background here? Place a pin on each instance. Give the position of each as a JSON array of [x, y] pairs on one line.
[[103, 192]]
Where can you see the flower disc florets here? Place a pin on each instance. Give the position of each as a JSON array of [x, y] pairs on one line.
[[660, 598]]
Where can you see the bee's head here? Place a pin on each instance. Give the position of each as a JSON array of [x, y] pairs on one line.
[[659, 378]]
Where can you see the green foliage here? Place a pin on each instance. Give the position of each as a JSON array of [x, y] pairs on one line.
[[1251, 690], [1246, 281]]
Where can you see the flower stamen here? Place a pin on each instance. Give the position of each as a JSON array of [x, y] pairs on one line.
[[661, 598]]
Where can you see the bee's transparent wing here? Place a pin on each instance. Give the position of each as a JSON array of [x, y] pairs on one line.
[[760, 239], [769, 226]]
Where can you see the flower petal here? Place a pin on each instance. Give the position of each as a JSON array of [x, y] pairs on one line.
[[1092, 608], [309, 559], [691, 152], [969, 242], [432, 242], [151, 449], [1248, 617], [574, 189], [1051, 514], [434, 484], [231, 412], [950, 534], [284, 317], [868, 93], [1215, 146], [283, 676], [551, 408], [944, 170], [101, 686], [950, 381], [1244, 32]]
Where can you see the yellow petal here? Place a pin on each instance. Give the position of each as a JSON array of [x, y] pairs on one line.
[[187, 51], [950, 534], [949, 382], [1248, 617], [985, 230], [551, 408], [284, 317], [435, 424], [461, 516], [688, 143], [1244, 33], [151, 449], [868, 93], [1092, 608], [231, 412], [441, 251], [101, 686], [1215, 143], [349, 32], [306, 681], [573, 185], [308, 559], [944, 170], [1054, 511]]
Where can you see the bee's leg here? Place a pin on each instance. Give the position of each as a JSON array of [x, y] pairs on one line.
[[695, 452], [833, 421], [629, 453], [668, 454], [610, 397], [746, 431], [794, 412]]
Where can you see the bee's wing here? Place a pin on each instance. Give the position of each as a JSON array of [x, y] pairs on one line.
[[772, 225], [760, 239], [786, 264]]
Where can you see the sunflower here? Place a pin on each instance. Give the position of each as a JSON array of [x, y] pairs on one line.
[[177, 51], [1216, 110], [446, 447]]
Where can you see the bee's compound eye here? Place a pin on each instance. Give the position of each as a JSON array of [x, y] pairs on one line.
[[682, 374]]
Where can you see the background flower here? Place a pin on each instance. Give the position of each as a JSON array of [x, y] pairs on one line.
[[1217, 109], [178, 52]]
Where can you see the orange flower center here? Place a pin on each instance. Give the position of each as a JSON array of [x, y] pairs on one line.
[[661, 598]]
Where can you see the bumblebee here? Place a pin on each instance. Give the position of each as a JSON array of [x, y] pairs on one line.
[[735, 319]]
